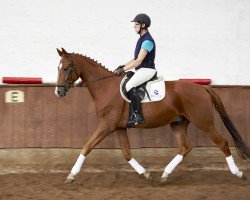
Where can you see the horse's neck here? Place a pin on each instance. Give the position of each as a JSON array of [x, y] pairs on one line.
[[90, 71]]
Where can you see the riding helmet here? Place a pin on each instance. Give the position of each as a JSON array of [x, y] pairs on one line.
[[142, 18]]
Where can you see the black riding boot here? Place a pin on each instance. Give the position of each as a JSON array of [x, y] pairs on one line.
[[136, 117]]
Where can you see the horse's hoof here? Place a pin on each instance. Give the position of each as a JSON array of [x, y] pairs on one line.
[[70, 178], [150, 177], [241, 175], [68, 181], [147, 175], [244, 177], [164, 179]]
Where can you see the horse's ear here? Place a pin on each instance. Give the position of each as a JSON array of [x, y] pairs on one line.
[[65, 53], [59, 52]]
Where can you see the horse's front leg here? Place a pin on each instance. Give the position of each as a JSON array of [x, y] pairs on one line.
[[124, 142], [103, 130]]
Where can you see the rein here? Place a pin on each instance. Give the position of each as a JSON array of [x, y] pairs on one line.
[[85, 84], [72, 69]]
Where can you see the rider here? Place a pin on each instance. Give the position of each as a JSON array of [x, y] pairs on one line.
[[143, 63]]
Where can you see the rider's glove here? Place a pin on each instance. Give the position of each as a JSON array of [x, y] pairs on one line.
[[119, 70]]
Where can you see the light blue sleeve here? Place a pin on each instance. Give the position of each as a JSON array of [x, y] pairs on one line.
[[148, 45]]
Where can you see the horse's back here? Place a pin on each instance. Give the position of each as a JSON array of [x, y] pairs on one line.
[[188, 97], [186, 88]]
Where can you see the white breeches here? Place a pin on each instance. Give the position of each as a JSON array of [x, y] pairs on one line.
[[141, 76]]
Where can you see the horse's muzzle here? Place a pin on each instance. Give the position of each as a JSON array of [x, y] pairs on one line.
[[60, 92]]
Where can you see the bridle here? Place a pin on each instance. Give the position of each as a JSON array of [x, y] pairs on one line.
[[70, 70], [68, 82]]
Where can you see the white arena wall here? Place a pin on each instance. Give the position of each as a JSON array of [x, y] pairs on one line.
[[195, 38]]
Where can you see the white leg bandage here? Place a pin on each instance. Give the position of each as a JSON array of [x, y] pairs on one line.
[[172, 165], [77, 167], [136, 166], [232, 166]]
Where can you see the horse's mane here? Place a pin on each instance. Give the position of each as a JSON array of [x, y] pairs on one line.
[[92, 60]]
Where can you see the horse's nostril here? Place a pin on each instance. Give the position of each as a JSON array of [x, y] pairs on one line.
[[58, 92]]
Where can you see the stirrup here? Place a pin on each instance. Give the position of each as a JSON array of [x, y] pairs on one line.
[[131, 121], [135, 119], [131, 124], [139, 119]]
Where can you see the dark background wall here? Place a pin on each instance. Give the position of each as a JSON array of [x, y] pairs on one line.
[[44, 120]]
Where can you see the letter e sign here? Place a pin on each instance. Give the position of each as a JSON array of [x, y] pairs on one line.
[[14, 96]]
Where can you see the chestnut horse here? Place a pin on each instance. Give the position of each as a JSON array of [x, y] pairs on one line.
[[189, 101]]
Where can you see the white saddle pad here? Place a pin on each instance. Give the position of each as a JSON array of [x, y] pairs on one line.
[[156, 90]]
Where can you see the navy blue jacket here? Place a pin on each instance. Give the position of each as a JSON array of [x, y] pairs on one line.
[[149, 60]]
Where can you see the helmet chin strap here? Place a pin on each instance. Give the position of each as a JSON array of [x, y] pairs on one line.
[[140, 28], [139, 32]]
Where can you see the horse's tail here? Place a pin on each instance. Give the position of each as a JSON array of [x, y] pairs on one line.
[[241, 147]]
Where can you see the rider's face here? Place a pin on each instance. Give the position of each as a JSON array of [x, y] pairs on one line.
[[137, 27]]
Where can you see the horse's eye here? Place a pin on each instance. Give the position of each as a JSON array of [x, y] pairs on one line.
[[65, 69]]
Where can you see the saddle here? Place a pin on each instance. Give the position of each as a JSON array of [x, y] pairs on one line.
[[150, 91]]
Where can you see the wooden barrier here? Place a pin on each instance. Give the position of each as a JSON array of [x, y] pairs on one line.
[[44, 120]]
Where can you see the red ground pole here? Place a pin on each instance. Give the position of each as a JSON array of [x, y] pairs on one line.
[[29, 80], [197, 80], [22, 80]]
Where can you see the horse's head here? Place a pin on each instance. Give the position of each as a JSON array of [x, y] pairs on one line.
[[67, 74]]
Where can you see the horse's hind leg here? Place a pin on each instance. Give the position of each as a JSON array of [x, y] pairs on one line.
[[124, 142], [180, 132], [222, 143], [202, 116]]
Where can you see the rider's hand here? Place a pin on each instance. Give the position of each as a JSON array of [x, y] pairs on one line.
[[119, 70]]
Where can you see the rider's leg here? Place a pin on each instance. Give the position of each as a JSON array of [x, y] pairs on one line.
[[136, 104], [142, 75]]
